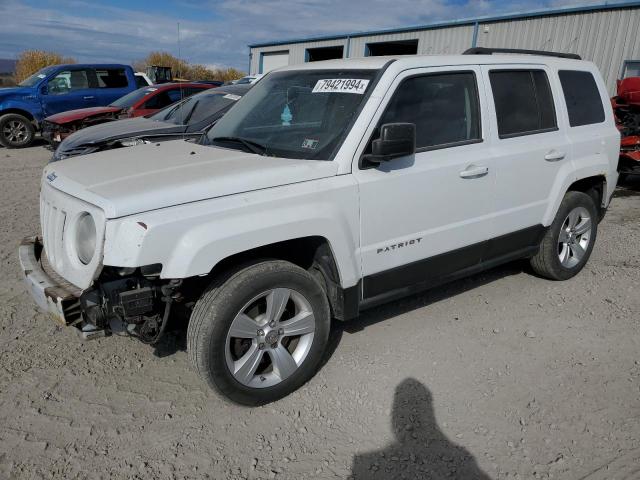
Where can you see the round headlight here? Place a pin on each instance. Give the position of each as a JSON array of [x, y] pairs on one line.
[[85, 238]]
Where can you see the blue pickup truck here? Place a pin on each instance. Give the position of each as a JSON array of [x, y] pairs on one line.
[[57, 89]]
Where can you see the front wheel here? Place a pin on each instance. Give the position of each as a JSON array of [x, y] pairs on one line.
[[568, 243], [16, 131], [261, 333]]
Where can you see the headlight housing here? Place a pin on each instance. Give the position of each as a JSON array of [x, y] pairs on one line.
[[85, 238]]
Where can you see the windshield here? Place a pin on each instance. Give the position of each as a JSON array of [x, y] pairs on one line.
[[36, 77], [131, 98], [299, 114], [196, 108]]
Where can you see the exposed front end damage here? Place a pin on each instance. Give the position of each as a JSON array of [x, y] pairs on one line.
[[55, 132], [130, 301]]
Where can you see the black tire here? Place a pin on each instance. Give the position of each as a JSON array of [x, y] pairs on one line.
[[218, 306], [16, 131], [546, 262]]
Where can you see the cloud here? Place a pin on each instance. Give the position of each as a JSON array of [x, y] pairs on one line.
[[216, 32]]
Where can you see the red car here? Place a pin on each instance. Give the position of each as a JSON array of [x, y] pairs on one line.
[[626, 107], [144, 101]]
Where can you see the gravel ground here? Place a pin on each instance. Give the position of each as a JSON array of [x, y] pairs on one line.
[[502, 375]]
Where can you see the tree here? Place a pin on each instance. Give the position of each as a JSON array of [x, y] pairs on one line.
[[229, 74], [200, 72], [30, 61], [164, 59]]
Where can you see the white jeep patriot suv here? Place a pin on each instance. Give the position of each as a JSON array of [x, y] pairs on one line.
[[331, 187]]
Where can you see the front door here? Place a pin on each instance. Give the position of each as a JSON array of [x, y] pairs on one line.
[[427, 216], [69, 90]]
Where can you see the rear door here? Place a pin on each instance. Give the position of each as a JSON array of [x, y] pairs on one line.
[[531, 151], [111, 84], [69, 89]]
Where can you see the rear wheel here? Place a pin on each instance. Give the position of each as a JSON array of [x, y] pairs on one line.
[[568, 243], [261, 333], [16, 131]]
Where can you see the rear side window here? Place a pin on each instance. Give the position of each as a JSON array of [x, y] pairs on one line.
[[584, 103], [443, 107], [164, 99], [523, 100], [111, 78]]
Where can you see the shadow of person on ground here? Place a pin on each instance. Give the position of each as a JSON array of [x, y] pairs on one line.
[[421, 450]]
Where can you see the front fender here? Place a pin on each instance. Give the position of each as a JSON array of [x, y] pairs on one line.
[[29, 103], [191, 239]]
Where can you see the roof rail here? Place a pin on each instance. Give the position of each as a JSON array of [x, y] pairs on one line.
[[489, 51]]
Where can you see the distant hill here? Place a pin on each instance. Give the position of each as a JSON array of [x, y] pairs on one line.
[[7, 65]]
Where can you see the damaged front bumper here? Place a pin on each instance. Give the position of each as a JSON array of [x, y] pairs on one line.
[[54, 295], [54, 133]]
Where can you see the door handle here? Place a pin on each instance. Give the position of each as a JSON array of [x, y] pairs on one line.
[[89, 97], [474, 172], [554, 156]]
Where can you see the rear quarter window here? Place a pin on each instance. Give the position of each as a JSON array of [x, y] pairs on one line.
[[581, 94]]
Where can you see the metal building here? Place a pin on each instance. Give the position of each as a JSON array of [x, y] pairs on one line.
[[607, 34]]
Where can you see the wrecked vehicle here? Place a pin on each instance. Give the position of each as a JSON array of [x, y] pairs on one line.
[[56, 89], [143, 101], [626, 107], [329, 188], [188, 119]]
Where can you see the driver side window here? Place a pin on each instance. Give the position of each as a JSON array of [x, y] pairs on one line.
[[67, 81], [443, 106]]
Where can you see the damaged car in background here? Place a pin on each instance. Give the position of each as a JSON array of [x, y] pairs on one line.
[[626, 107], [188, 119], [140, 102]]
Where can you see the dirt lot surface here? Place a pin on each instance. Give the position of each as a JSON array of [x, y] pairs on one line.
[[503, 375]]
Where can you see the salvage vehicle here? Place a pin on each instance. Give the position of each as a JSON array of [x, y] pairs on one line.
[[56, 89], [188, 119], [144, 101], [626, 107], [329, 188]]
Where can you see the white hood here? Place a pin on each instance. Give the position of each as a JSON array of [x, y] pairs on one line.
[[147, 177]]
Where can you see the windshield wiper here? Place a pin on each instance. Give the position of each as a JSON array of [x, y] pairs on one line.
[[186, 119], [253, 147]]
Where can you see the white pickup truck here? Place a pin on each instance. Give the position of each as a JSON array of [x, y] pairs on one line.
[[331, 187]]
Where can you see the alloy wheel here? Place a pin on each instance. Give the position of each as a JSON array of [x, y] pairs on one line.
[[15, 131], [270, 338], [574, 238]]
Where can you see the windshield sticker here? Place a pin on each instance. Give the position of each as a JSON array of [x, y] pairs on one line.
[[233, 97], [310, 143], [41, 75], [341, 85]]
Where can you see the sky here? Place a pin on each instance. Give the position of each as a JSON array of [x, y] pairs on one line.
[[216, 32]]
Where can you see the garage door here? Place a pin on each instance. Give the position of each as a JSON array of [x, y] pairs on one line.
[[273, 60]]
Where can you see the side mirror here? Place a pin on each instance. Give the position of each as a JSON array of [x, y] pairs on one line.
[[396, 140], [44, 89]]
